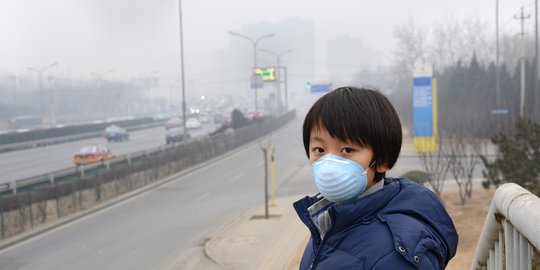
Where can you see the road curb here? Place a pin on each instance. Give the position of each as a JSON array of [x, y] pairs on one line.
[[234, 221]]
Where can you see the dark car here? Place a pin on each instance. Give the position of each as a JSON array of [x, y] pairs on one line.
[[114, 133], [174, 135]]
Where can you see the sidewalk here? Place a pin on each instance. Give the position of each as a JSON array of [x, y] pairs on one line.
[[254, 242]]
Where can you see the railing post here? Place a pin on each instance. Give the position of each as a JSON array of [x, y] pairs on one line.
[[509, 243], [491, 258], [516, 247], [81, 170], [500, 256], [522, 254]]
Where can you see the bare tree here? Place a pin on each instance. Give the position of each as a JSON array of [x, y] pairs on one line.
[[463, 159], [435, 164], [411, 49], [446, 44], [452, 40]]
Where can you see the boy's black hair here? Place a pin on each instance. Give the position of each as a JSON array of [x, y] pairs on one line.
[[361, 115]]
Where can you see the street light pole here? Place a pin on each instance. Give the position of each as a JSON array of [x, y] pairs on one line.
[[100, 77], [278, 57], [182, 71], [254, 42], [40, 78], [497, 73]]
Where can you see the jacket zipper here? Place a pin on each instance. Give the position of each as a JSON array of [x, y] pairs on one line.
[[328, 233]]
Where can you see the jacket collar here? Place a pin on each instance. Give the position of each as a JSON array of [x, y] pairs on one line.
[[348, 214]]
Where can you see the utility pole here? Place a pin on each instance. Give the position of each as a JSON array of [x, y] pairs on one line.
[[497, 72], [101, 94], [184, 137], [279, 76], [14, 89], [40, 77], [535, 98], [254, 42], [522, 17], [52, 117]]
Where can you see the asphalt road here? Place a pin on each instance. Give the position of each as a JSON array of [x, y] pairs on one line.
[[155, 229], [27, 163]]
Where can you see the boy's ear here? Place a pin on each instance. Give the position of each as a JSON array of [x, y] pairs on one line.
[[382, 168]]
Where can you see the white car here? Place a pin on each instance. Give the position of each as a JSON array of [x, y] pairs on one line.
[[192, 123]]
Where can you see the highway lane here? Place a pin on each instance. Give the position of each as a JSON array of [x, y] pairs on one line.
[[153, 230], [42, 160]]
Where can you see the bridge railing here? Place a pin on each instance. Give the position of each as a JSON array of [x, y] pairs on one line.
[[510, 238]]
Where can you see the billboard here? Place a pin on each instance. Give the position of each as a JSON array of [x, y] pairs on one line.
[[424, 110]]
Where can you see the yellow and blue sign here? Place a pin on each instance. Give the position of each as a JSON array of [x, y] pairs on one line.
[[425, 111]]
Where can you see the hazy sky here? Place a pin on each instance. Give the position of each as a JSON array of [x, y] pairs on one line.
[[137, 37]]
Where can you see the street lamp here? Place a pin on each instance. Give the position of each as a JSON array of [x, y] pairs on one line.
[[100, 76], [40, 77], [147, 79], [254, 42], [101, 95], [278, 57], [182, 70]]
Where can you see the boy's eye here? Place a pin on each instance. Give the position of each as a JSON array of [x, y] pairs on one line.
[[318, 150], [346, 150]]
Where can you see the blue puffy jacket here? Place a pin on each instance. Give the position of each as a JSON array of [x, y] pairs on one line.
[[402, 226]]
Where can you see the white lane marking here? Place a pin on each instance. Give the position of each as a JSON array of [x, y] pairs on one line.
[[236, 178], [203, 196]]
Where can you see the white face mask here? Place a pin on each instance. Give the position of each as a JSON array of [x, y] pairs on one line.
[[339, 179]]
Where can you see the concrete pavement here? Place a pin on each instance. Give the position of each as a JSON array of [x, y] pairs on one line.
[[255, 242]]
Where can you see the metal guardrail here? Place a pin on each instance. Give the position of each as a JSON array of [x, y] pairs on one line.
[[67, 174], [510, 238]]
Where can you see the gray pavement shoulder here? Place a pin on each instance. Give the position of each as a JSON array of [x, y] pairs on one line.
[[252, 242]]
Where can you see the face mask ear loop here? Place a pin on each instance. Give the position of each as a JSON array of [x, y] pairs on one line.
[[369, 167]]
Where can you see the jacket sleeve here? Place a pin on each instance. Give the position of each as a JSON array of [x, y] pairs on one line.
[[394, 260]]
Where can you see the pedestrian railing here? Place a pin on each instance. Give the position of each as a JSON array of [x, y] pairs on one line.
[[510, 238]]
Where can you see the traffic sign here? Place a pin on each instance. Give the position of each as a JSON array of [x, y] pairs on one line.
[[266, 73], [320, 88]]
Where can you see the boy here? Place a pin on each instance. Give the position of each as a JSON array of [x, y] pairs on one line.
[[360, 219]]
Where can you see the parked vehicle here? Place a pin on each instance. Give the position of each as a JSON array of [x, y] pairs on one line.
[[175, 135], [193, 123], [116, 134], [91, 154]]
